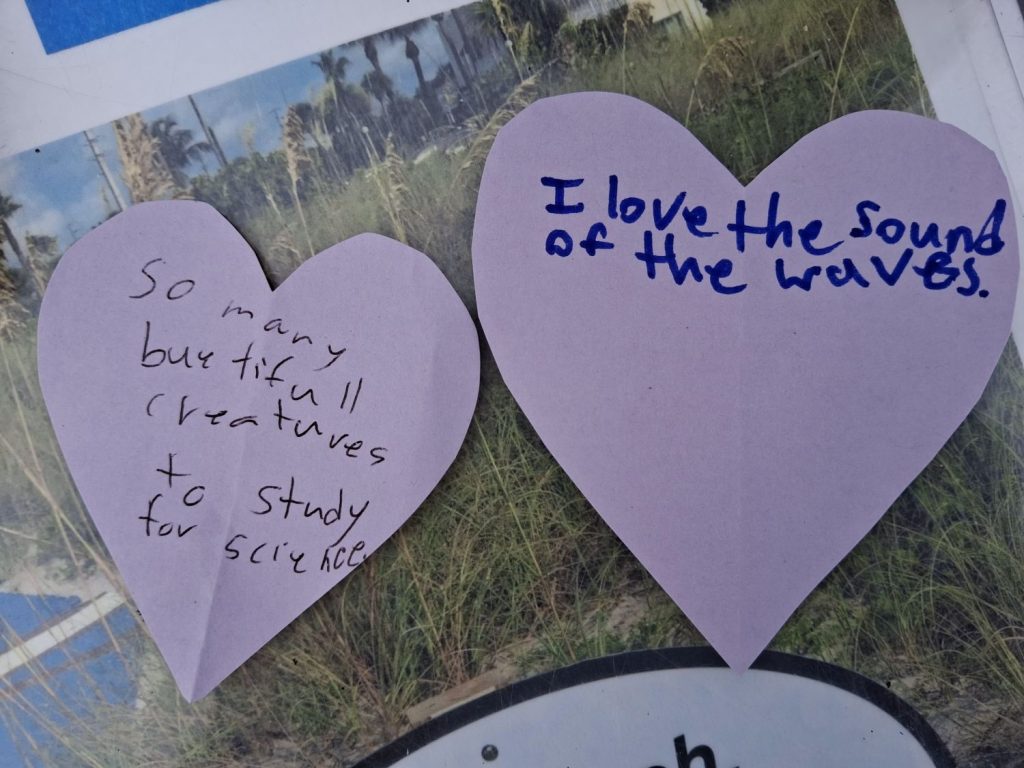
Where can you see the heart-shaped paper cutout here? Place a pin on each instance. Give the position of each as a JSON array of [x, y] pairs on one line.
[[741, 440], [203, 415]]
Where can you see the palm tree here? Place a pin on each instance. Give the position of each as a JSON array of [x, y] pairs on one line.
[[176, 145], [453, 51], [469, 39], [334, 71], [8, 207], [379, 85], [412, 53], [381, 79], [348, 106]]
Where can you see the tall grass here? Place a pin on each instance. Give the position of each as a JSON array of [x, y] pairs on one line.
[[506, 557]]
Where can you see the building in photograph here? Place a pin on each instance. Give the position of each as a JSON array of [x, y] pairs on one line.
[[687, 15]]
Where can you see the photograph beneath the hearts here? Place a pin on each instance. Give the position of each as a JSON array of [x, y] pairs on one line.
[[506, 570]]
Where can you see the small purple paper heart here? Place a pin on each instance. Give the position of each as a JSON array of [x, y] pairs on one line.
[[242, 450], [741, 379]]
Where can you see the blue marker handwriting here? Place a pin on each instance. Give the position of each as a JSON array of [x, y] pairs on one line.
[[935, 256]]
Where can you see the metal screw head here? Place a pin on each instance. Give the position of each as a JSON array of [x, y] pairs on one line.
[[489, 752]]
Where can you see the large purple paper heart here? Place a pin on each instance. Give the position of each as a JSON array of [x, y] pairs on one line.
[[740, 436], [241, 450]]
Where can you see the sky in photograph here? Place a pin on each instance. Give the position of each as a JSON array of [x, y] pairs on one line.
[[60, 188]]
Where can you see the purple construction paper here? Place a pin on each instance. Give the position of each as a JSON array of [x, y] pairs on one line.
[[203, 415], [738, 436]]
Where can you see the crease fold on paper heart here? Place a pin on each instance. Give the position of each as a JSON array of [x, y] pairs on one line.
[[262, 307], [387, 299], [200, 683], [717, 435]]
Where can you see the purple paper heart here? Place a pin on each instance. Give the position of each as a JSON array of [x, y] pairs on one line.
[[740, 436], [242, 450]]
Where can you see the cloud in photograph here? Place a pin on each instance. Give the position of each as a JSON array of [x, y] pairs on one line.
[[59, 189]]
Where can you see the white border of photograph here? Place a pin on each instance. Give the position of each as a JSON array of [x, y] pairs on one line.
[[965, 50], [46, 98]]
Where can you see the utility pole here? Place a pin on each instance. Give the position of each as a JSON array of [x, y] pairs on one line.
[[104, 170], [211, 137]]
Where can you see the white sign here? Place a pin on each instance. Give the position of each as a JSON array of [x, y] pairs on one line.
[[678, 709]]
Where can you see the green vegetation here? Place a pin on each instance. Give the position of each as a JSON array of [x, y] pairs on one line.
[[506, 558]]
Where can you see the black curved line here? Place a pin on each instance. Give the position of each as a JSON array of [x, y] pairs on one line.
[[151, 401], [636, 662]]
